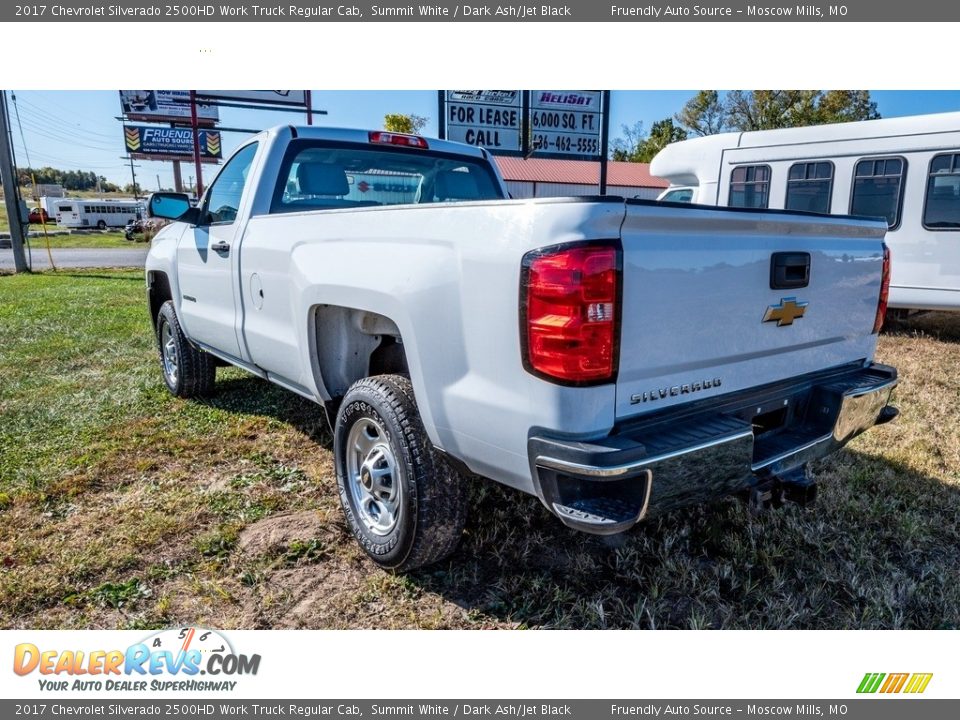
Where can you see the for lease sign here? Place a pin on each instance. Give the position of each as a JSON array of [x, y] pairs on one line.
[[488, 118]]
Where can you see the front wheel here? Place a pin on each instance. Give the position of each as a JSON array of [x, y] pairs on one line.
[[403, 502], [101, 224], [187, 370]]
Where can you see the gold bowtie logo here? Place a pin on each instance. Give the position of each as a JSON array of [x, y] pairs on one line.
[[785, 312]]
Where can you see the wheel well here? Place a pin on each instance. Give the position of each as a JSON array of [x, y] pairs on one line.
[[351, 344], [158, 292]]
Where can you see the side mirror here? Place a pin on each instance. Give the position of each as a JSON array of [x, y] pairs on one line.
[[172, 206]]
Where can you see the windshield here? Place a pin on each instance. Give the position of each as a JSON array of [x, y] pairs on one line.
[[318, 175], [680, 195]]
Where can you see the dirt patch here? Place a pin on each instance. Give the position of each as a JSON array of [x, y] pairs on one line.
[[274, 533]]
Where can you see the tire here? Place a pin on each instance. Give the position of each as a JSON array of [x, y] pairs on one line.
[[403, 502], [187, 370], [101, 225]]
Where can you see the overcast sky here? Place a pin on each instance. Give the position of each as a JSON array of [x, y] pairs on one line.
[[73, 129]]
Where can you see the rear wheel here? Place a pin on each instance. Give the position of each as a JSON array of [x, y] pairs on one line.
[[403, 502], [187, 370]]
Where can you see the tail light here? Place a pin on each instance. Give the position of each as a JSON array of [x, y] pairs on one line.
[[389, 138], [570, 305], [884, 291]]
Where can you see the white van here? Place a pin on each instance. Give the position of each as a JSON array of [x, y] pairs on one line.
[[96, 213], [906, 170]]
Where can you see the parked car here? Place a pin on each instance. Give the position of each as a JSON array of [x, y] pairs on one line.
[[38, 216], [615, 358]]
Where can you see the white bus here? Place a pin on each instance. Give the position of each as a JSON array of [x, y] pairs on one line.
[[906, 170], [102, 214]]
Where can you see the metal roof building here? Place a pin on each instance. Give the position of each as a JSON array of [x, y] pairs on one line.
[[539, 177]]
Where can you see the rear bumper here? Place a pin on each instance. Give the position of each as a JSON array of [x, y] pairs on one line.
[[707, 449]]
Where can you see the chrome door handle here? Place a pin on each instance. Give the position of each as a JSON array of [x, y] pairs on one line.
[[220, 247]]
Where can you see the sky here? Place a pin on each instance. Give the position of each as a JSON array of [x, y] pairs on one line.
[[80, 130]]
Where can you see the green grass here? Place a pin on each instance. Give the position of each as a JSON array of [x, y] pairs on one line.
[[125, 507], [110, 239]]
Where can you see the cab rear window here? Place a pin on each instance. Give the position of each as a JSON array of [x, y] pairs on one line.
[[318, 175]]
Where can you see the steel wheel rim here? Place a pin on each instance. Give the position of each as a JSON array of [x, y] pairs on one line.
[[373, 477], [168, 351]]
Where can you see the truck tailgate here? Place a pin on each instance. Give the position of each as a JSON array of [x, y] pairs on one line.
[[697, 289]]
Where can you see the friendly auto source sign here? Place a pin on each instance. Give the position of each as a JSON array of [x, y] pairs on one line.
[[554, 123], [159, 143], [487, 118]]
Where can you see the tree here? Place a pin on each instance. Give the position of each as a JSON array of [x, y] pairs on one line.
[[637, 147], [131, 189], [703, 114], [400, 123], [771, 109]]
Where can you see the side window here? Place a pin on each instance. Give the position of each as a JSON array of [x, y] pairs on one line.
[[878, 189], [223, 197], [683, 195], [809, 187], [750, 186], [941, 210]]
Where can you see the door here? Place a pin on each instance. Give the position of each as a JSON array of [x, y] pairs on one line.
[[208, 287]]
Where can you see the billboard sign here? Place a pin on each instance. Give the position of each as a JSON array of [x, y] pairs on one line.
[[297, 98], [164, 143], [164, 106], [566, 123], [492, 119]]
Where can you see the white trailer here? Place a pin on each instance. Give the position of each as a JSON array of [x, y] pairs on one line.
[[71, 212], [906, 170]]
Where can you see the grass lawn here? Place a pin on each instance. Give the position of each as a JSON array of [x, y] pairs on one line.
[[124, 507], [111, 239]]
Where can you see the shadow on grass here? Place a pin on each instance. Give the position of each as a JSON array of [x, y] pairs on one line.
[[943, 326], [879, 550], [254, 396]]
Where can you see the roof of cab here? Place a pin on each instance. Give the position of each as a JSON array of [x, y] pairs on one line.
[[355, 135]]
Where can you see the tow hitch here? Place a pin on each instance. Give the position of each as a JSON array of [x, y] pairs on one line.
[[796, 486]]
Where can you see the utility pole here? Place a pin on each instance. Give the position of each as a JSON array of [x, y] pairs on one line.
[[11, 194], [158, 183], [133, 175]]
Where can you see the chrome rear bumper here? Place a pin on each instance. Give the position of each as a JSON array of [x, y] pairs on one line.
[[722, 446]]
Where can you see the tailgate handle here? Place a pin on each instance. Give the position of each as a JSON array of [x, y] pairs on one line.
[[789, 270]]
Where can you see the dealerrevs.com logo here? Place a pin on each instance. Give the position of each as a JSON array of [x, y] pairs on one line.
[[181, 659]]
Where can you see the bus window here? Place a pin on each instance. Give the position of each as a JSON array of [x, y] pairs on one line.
[[750, 186], [878, 189], [809, 187], [680, 195], [942, 208]]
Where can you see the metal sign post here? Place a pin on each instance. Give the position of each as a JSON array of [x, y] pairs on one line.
[[11, 193], [196, 141]]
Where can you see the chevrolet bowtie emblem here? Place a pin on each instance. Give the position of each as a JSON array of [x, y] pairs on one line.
[[785, 312]]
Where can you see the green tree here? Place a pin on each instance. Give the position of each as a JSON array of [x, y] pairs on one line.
[[703, 114], [400, 123], [771, 109], [636, 146]]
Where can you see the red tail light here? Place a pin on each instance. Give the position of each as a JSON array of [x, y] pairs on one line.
[[570, 299], [884, 291], [389, 138]]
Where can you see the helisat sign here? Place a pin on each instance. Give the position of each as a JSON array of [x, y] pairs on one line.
[[182, 659]]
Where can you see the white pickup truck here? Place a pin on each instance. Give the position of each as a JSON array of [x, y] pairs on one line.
[[616, 358]]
